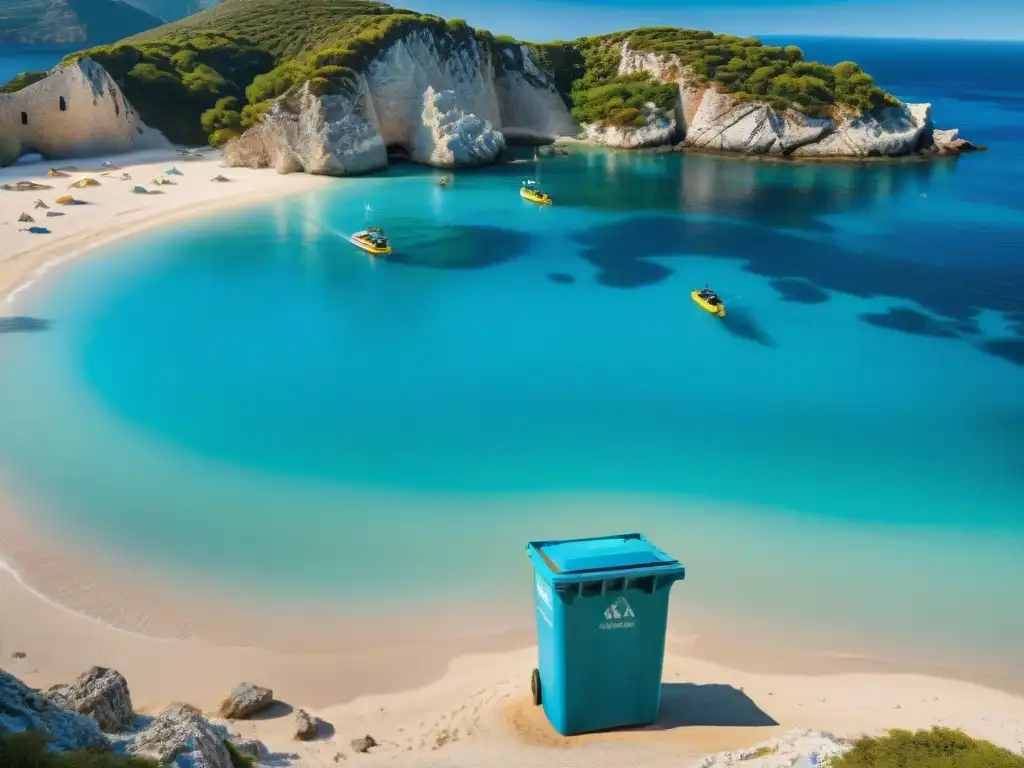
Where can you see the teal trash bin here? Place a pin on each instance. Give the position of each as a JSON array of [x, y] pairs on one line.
[[602, 611]]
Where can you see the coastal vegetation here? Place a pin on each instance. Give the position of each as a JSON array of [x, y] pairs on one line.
[[741, 66], [66, 22], [211, 75], [28, 750], [935, 748]]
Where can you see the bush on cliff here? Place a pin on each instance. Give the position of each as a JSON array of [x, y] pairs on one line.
[[173, 84], [22, 80], [28, 750], [935, 748]]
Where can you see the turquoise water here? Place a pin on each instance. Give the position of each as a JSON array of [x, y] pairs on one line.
[[248, 399]]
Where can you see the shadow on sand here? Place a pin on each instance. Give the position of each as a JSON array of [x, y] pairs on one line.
[[712, 704]]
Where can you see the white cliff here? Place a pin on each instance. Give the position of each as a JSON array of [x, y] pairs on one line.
[[76, 111], [442, 103]]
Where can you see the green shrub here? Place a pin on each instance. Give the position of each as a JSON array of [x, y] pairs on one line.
[[22, 80], [28, 750], [619, 101], [936, 748]]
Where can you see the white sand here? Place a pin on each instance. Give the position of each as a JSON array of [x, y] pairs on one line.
[[478, 712], [112, 210]]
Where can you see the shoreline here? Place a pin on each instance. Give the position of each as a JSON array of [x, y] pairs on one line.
[[753, 157], [112, 212]]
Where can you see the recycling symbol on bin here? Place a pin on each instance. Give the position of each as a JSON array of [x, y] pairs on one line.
[[620, 609]]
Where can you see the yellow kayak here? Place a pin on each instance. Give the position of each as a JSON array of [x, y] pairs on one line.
[[535, 196], [709, 301], [372, 241]]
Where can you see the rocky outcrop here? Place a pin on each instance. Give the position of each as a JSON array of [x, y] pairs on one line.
[[712, 120], [305, 725], [335, 135], [246, 699], [658, 129], [797, 749], [180, 735], [23, 709], [78, 110], [448, 137], [100, 693], [891, 132], [445, 103]]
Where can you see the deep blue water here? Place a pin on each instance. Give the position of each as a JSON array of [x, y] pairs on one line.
[[15, 59], [844, 449]]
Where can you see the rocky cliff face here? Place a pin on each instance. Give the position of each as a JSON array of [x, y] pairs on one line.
[[711, 120], [443, 103], [75, 112]]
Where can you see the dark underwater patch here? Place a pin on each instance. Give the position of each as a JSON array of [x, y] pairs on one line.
[[955, 290], [561, 278], [910, 321], [1010, 350], [799, 291], [20, 324], [461, 247]]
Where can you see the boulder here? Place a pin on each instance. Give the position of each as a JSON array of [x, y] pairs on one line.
[[251, 748], [24, 709], [449, 137], [100, 693], [363, 743], [245, 700], [305, 726], [181, 736], [948, 142]]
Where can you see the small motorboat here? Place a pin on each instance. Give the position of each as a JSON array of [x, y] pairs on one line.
[[709, 301], [444, 181], [372, 240], [530, 192]]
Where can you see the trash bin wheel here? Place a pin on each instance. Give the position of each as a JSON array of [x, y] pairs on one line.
[[535, 687]]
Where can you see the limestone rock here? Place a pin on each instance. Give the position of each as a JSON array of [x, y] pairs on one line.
[[890, 132], [23, 709], [721, 122], [333, 135], [447, 137], [245, 700], [363, 743], [659, 129], [253, 748], [180, 735], [798, 748], [76, 111], [100, 693], [949, 143], [305, 725]]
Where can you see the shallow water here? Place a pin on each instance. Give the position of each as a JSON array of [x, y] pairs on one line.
[[250, 400]]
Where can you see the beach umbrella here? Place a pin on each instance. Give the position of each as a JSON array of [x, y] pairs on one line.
[[173, 172], [25, 217], [41, 204]]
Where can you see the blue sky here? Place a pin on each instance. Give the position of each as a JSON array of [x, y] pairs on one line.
[[542, 20]]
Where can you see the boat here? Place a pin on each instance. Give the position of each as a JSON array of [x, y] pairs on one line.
[[529, 191], [444, 181], [709, 301], [372, 240]]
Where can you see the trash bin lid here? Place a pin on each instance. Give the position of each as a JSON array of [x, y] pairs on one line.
[[609, 553]]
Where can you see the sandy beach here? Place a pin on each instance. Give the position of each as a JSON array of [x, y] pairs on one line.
[[428, 699], [112, 210]]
